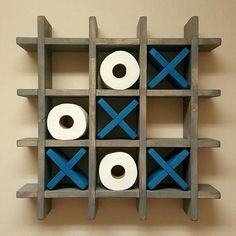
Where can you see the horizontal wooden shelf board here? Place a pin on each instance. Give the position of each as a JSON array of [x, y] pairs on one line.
[[27, 191], [33, 142], [81, 44], [205, 191], [182, 93], [65, 193], [181, 142], [157, 142], [54, 92], [101, 192], [208, 191], [110, 92]]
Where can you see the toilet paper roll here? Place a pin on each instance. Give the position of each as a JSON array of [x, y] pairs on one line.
[[118, 171], [67, 121], [119, 70]]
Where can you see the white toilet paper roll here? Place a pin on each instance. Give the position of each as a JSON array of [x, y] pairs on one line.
[[118, 171], [67, 121], [119, 70]]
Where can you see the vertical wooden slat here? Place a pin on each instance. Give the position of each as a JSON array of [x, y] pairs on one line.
[[92, 116], [44, 82], [142, 35], [191, 117]]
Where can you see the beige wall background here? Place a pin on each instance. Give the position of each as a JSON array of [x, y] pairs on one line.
[[18, 118]]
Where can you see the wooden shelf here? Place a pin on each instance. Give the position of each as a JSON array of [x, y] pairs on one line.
[[65, 193], [204, 93], [102, 192], [33, 142], [182, 93], [204, 191], [45, 44], [111, 92], [81, 44], [158, 142], [54, 92]]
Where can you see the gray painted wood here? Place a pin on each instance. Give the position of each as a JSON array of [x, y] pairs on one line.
[[81, 44], [44, 82], [158, 142], [118, 93], [27, 191], [142, 35], [66, 193], [168, 193], [207, 191], [191, 117], [204, 93], [92, 116], [101, 192]]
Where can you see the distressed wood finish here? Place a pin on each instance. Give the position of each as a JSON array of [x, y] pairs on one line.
[[45, 44], [191, 116], [82, 44], [142, 35], [44, 82], [92, 116]]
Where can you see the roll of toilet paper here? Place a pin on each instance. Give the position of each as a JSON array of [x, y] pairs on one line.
[[119, 70], [67, 121], [118, 171]]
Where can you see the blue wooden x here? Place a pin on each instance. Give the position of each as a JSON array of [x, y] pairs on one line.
[[167, 169], [118, 119], [169, 68], [77, 177]]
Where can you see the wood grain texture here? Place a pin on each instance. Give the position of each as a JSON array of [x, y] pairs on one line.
[[92, 116], [142, 35], [44, 82], [82, 44], [191, 117]]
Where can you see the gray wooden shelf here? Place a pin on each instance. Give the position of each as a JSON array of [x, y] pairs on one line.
[[157, 142], [205, 191], [82, 44], [45, 44], [204, 93]]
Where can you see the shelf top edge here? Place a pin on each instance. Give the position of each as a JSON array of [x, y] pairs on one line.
[[81, 44]]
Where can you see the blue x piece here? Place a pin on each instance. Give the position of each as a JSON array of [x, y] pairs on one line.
[[167, 169], [169, 68], [77, 177], [118, 119]]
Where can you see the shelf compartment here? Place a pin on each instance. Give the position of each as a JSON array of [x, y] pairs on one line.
[[182, 142], [33, 142], [205, 191], [81, 44], [182, 93], [54, 92], [102, 192]]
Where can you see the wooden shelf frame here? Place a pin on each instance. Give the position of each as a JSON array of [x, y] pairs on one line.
[[44, 44]]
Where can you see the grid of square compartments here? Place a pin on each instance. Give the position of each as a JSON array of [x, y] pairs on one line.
[[97, 48]]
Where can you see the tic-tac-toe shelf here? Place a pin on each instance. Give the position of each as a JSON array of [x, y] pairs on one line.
[[98, 97]]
